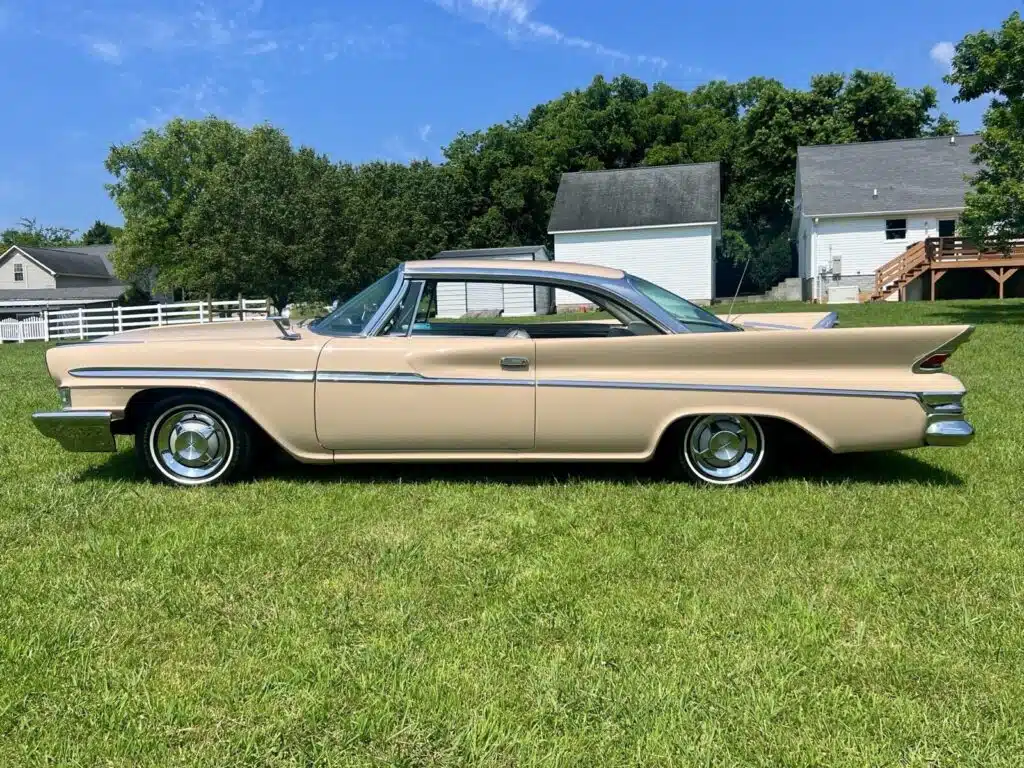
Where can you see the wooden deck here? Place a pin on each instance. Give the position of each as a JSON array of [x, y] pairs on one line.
[[936, 256]]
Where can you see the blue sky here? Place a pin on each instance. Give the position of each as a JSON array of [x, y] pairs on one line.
[[397, 79]]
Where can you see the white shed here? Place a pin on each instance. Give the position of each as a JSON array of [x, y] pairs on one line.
[[508, 299], [659, 223]]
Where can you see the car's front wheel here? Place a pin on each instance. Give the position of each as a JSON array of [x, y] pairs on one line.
[[721, 449], [193, 439]]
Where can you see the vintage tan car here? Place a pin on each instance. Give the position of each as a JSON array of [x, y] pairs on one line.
[[405, 372]]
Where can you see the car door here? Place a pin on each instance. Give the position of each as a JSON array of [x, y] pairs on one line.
[[409, 394]]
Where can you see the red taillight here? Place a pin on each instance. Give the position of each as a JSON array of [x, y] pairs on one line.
[[934, 362]]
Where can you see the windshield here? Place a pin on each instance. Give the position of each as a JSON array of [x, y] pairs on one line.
[[351, 317], [695, 318]]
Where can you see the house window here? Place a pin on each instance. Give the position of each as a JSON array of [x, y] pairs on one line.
[[19, 273], [895, 229], [947, 227]]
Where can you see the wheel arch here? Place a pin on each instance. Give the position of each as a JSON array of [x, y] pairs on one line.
[[770, 419], [139, 405]]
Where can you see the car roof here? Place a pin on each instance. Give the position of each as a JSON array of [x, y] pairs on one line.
[[442, 266]]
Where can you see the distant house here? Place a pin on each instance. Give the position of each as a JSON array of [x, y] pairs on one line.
[[507, 299], [857, 206], [659, 223], [34, 279]]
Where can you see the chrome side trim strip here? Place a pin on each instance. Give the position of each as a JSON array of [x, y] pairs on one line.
[[240, 374], [369, 377], [351, 377], [744, 388]]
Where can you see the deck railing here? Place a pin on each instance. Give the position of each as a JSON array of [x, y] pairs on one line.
[[938, 250]]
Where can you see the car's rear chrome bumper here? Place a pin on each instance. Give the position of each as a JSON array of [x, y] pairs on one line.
[[82, 431], [946, 423], [949, 432]]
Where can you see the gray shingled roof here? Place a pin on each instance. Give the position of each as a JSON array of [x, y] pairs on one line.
[[537, 252], [637, 197], [909, 174], [68, 262], [110, 292]]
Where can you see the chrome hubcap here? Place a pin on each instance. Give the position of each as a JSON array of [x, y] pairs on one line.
[[191, 445], [724, 449]]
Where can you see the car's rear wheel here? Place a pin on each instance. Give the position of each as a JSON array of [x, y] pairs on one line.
[[193, 439], [721, 449]]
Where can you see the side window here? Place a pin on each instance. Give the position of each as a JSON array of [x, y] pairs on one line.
[[895, 229], [404, 316], [468, 308], [19, 273]]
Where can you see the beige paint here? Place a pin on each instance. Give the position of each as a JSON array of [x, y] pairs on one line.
[[349, 421], [283, 408], [423, 417], [35, 276]]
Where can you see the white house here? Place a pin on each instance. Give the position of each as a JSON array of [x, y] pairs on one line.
[[858, 206], [508, 299], [33, 279], [659, 223]]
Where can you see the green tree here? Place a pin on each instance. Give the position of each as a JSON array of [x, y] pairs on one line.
[[215, 208], [992, 64], [100, 233], [30, 233]]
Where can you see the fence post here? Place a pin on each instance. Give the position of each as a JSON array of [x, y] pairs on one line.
[[208, 308], [21, 331], [46, 325], [81, 323], [120, 320], [159, 315], [241, 307]]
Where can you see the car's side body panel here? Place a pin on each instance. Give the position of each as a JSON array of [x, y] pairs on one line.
[[400, 394], [269, 378]]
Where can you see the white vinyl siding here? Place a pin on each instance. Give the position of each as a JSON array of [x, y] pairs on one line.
[[680, 259], [857, 245], [456, 299], [35, 277]]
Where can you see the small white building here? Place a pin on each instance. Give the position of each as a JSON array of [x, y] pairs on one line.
[[858, 206], [659, 223], [505, 299]]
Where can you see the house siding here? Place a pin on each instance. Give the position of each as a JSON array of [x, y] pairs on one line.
[[680, 259], [35, 276], [857, 245]]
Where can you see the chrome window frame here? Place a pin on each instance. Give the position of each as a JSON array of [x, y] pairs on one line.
[[617, 290]]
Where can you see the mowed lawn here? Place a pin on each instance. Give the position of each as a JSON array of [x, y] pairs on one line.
[[857, 611]]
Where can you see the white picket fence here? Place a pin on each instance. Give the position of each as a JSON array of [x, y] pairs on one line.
[[83, 323]]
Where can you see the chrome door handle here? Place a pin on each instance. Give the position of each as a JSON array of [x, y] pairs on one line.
[[515, 364]]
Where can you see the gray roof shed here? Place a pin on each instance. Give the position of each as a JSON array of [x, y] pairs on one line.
[[535, 252], [637, 197]]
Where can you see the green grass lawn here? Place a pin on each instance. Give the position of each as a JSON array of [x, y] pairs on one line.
[[860, 611]]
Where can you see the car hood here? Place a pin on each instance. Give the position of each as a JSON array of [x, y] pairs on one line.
[[785, 321], [225, 331]]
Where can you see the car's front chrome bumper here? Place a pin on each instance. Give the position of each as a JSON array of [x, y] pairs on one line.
[[946, 424], [82, 431]]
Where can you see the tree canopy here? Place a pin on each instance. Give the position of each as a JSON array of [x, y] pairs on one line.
[[222, 209], [992, 64]]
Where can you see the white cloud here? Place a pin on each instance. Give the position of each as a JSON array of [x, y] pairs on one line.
[[425, 132], [942, 53], [514, 19], [106, 50]]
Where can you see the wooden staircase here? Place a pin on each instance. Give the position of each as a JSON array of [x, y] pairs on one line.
[[937, 255]]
